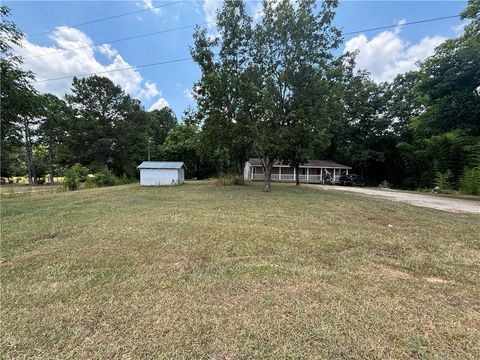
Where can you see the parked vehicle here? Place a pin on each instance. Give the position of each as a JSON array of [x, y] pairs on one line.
[[352, 180]]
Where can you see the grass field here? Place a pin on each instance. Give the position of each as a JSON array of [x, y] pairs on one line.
[[13, 189], [206, 272]]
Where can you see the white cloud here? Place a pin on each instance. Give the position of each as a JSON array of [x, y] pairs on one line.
[[148, 4], [210, 8], [257, 11], [74, 61], [107, 50], [188, 93], [387, 54], [160, 103], [458, 29], [149, 91]]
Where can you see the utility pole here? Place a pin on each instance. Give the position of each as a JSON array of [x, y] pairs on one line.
[[148, 147]]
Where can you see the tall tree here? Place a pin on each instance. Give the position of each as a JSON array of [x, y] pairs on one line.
[[130, 146], [30, 121], [402, 102], [368, 126], [308, 71], [52, 133], [183, 144], [160, 123], [221, 90], [16, 98], [100, 110], [292, 51], [446, 132]]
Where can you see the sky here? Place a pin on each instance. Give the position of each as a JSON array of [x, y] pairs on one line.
[[54, 30]]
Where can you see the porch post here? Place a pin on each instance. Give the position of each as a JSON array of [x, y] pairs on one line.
[[321, 175], [279, 173], [347, 171], [294, 173], [334, 175], [308, 174]]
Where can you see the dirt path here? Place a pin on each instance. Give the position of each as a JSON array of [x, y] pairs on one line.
[[423, 200]]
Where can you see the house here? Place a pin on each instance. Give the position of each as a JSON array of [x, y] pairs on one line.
[[314, 171], [154, 173]]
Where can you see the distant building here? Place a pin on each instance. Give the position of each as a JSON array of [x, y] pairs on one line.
[[154, 173], [313, 171]]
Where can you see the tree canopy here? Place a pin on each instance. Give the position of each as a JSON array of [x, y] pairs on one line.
[[271, 88]]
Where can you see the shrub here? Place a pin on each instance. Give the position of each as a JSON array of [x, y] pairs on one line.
[[229, 179], [443, 181], [103, 178], [470, 181], [74, 175]]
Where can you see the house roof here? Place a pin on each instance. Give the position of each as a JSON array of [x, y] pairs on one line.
[[309, 164], [161, 165]]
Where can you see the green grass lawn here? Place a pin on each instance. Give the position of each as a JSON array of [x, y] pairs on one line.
[[206, 272]]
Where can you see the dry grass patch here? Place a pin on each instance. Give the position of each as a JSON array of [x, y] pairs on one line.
[[200, 271]]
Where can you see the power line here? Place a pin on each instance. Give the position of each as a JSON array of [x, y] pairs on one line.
[[120, 40], [210, 22], [404, 24], [112, 17], [189, 58], [115, 70]]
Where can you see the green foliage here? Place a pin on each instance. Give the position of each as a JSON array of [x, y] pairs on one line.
[[110, 128], [472, 12], [444, 180], [270, 88], [55, 117], [182, 144], [224, 89], [470, 181], [40, 159], [259, 95], [103, 178], [160, 123], [16, 96], [230, 179], [74, 175]]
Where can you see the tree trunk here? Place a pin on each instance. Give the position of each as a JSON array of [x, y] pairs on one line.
[[28, 153], [297, 174], [268, 179], [50, 160], [267, 169]]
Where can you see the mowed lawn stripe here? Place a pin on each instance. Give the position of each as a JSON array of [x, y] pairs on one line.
[[204, 271]]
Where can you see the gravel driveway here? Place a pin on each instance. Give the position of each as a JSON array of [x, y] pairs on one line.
[[424, 200]]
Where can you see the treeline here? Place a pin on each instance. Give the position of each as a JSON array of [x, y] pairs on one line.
[[96, 125], [274, 89], [270, 88]]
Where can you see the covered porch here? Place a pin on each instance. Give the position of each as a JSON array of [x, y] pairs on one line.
[[307, 174]]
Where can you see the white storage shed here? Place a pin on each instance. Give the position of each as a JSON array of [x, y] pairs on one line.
[[154, 173]]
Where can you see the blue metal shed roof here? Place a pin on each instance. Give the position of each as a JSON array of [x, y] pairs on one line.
[[161, 165]]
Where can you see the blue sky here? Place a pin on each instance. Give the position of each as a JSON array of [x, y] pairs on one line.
[[384, 53]]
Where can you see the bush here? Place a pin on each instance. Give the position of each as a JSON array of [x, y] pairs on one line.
[[444, 181], [470, 181], [74, 175], [229, 179], [103, 178]]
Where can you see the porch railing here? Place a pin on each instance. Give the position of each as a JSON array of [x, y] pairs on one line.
[[291, 177]]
